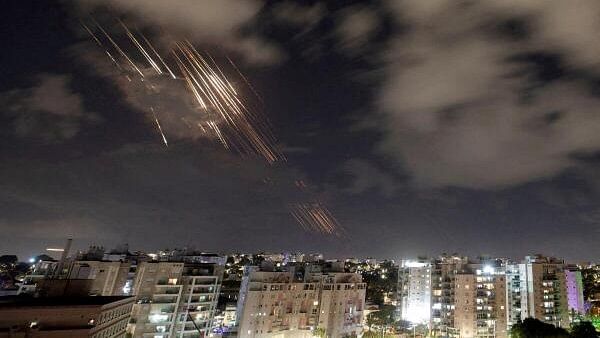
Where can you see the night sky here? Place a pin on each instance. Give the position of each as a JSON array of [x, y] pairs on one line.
[[424, 126]]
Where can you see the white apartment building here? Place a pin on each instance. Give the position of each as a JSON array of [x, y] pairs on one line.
[[415, 291], [281, 305], [175, 299]]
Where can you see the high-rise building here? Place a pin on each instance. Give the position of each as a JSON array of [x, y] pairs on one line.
[[513, 294], [480, 301], [288, 304], [483, 298], [175, 299], [542, 291], [341, 300], [574, 289], [443, 282], [414, 291]]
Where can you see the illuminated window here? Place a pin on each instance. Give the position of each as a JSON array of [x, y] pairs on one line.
[[172, 281]]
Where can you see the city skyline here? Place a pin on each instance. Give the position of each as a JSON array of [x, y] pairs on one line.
[[409, 130]]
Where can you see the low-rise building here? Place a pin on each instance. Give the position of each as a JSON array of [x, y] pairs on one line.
[[64, 317], [108, 278]]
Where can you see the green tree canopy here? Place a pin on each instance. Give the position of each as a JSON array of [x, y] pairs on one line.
[[584, 330], [319, 332], [382, 318], [533, 328]]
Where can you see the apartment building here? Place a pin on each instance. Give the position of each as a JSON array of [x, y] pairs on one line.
[[274, 303], [341, 301], [109, 274], [484, 297], [541, 292], [513, 294], [443, 280], [65, 317], [108, 278], [480, 302], [574, 290], [175, 299], [414, 291], [288, 304]]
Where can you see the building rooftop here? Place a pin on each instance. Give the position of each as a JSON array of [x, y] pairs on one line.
[[27, 301]]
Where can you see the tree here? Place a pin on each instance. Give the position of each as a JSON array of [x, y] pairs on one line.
[[381, 282], [382, 319], [584, 330], [373, 334], [533, 328], [319, 332], [591, 282]]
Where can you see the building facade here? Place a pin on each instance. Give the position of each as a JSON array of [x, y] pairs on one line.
[[480, 302], [542, 290], [65, 317], [443, 282], [285, 304], [485, 297], [175, 299], [574, 289], [415, 291], [108, 278]]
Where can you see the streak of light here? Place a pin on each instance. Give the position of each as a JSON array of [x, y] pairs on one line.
[[315, 217], [223, 112], [116, 46], [55, 249], [143, 51], [245, 80], [91, 33], [158, 56], [159, 128]]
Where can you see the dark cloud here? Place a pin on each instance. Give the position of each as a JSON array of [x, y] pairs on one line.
[[461, 111], [293, 13], [366, 176], [49, 110], [356, 27], [214, 22]]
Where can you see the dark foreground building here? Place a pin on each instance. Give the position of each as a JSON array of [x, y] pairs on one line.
[[64, 317]]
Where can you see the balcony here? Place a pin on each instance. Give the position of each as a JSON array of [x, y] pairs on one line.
[[163, 309], [165, 301]]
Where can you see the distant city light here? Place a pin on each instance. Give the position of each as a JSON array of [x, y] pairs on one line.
[[487, 269], [413, 264], [31, 260]]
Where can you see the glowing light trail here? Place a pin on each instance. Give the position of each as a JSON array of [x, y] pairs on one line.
[[219, 109]]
